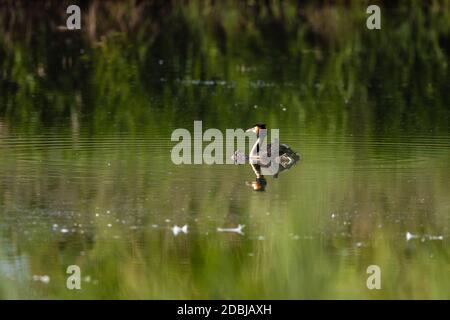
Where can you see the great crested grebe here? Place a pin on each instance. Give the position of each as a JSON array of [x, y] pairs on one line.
[[286, 157]]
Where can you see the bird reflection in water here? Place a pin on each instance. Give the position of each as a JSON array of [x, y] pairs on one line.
[[260, 182], [285, 158]]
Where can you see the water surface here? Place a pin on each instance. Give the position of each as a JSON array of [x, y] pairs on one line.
[[86, 176]]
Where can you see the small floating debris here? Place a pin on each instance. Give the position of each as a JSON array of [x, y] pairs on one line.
[[238, 229], [410, 236], [64, 230], [44, 279], [176, 229], [435, 237]]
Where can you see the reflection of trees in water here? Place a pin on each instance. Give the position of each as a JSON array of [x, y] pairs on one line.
[[304, 55], [3, 128]]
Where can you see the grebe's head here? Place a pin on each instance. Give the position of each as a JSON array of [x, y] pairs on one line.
[[256, 128]]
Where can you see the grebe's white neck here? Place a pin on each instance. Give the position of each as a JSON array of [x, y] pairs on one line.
[[254, 152]]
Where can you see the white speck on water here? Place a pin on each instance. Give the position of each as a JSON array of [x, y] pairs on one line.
[[409, 236], [284, 109], [154, 226], [238, 229], [44, 279], [109, 225], [97, 215], [167, 220], [64, 230], [176, 229], [255, 106], [423, 238], [333, 216], [261, 238], [108, 212], [161, 62]]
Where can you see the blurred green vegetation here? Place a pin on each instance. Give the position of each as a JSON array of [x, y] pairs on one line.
[[201, 58], [85, 122]]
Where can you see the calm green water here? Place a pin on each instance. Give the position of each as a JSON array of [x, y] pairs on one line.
[[86, 176]]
